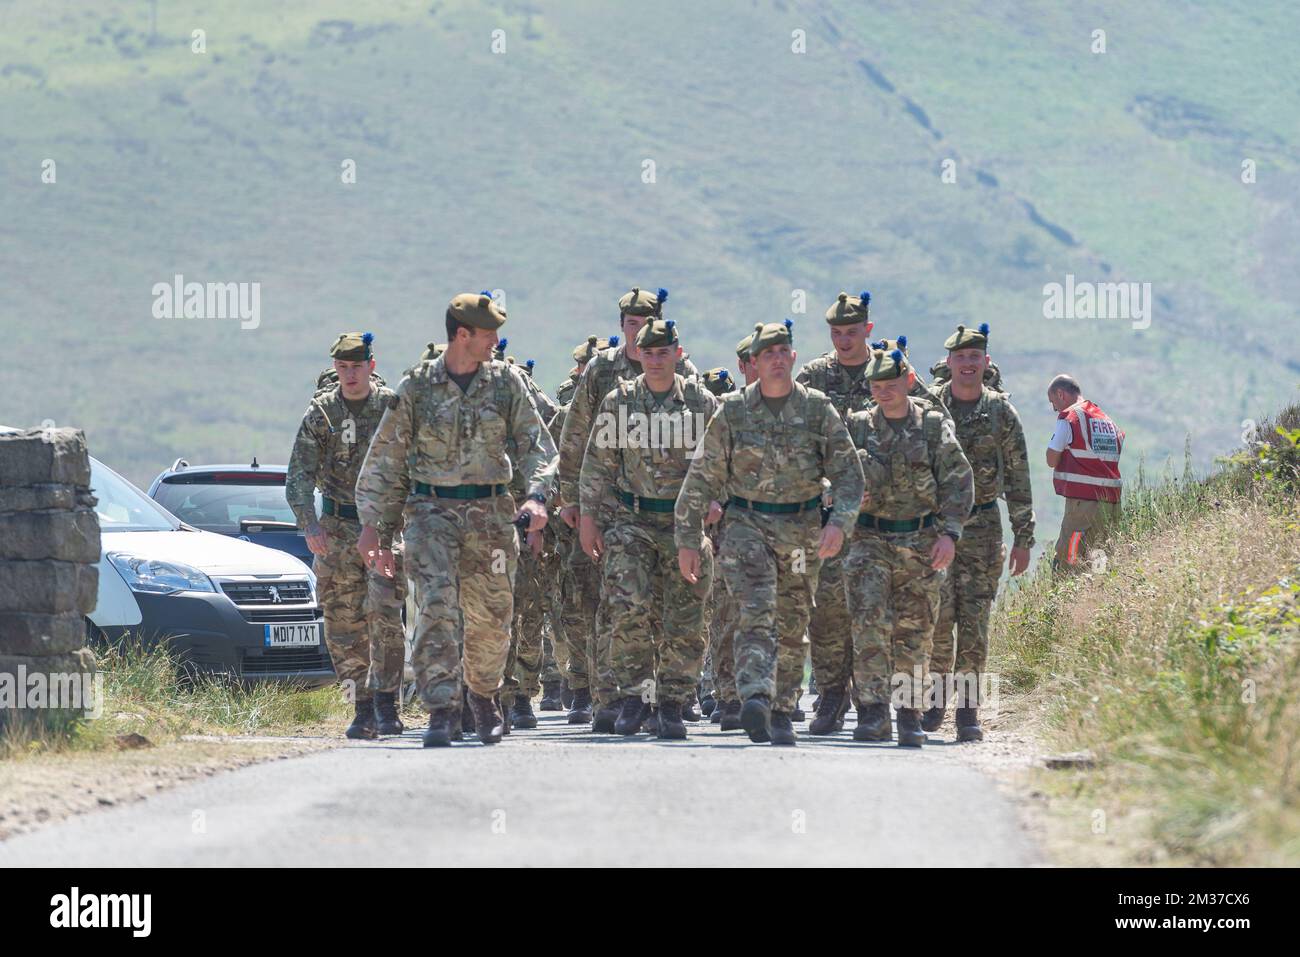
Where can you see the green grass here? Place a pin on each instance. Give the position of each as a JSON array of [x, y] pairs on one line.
[[1178, 664], [145, 693]]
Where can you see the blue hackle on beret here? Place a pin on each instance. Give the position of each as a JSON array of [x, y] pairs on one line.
[[613, 341], [723, 374], [670, 323], [789, 324], [530, 363], [984, 329], [896, 356], [663, 294], [501, 344], [367, 338], [902, 342], [865, 296]]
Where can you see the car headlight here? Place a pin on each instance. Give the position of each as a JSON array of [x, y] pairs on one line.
[[159, 578]]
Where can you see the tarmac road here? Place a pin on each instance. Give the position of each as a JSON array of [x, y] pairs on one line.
[[562, 796]]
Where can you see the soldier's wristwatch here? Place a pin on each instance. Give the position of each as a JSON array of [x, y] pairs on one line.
[[538, 497]]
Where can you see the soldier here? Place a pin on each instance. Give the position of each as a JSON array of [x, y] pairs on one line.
[[604, 371], [363, 611], [524, 662], [769, 447], [722, 627], [441, 458], [918, 495], [581, 356], [839, 374], [989, 430], [719, 382], [645, 433]]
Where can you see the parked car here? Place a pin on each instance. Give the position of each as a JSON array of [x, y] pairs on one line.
[[243, 501], [224, 606]]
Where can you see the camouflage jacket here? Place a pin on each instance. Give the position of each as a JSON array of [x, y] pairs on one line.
[[437, 434], [606, 369], [640, 446], [329, 448], [564, 394], [750, 453], [547, 409], [994, 442], [918, 471]]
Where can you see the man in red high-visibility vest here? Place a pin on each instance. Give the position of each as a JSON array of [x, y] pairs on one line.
[[1084, 456]]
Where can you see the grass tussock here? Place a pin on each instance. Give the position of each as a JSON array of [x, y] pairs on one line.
[[145, 693], [1176, 660]]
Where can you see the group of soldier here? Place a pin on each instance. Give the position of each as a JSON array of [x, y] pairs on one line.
[[672, 539]]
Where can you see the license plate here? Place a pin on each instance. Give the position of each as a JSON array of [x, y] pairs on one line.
[[297, 635]]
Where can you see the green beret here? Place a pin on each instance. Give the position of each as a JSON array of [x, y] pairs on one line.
[[742, 347], [432, 351], [594, 344], [847, 309], [719, 381], [768, 334], [657, 332], [887, 365], [476, 310], [640, 302], [965, 338], [352, 346]]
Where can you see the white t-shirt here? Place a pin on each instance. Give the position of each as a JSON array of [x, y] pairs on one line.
[[1061, 437]]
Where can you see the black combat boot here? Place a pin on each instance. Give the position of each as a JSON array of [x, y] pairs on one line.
[[708, 704], [829, 718], [873, 724], [551, 697], [632, 713], [487, 719], [731, 716], [968, 725], [797, 714], [690, 712], [521, 714], [454, 722], [580, 707], [651, 725], [671, 725], [716, 716], [439, 734], [756, 718], [932, 718], [910, 734], [387, 720], [504, 712], [466, 713], [783, 729], [566, 696], [362, 727], [605, 717]]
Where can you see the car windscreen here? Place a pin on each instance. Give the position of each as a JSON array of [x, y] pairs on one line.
[[218, 503], [122, 507]]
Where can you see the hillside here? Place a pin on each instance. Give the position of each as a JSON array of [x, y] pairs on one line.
[[522, 170]]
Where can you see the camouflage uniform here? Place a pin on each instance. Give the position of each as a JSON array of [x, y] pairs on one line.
[[654, 616], [769, 560], [721, 620], [605, 370], [363, 609], [994, 442], [574, 594], [893, 592], [828, 630], [461, 553]]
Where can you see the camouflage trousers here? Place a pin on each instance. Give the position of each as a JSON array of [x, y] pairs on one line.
[[460, 558], [770, 565], [720, 617], [363, 612], [585, 611], [893, 596], [829, 631], [655, 618], [573, 608], [966, 600], [524, 662]]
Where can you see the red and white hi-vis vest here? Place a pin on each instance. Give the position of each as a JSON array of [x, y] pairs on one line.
[[1089, 467]]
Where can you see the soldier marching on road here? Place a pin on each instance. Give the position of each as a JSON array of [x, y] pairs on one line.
[[363, 624], [645, 433], [918, 495], [441, 459], [604, 371], [769, 447], [989, 430]]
